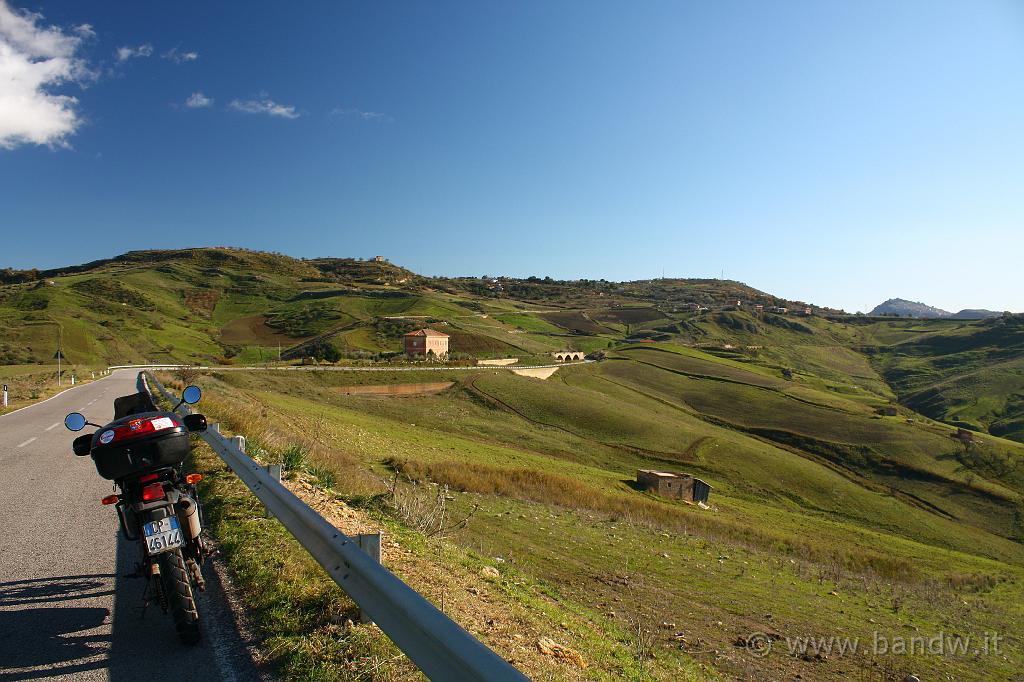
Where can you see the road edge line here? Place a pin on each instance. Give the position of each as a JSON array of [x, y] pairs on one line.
[[71, 388]]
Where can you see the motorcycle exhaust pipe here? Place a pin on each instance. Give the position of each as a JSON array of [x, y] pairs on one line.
[[188, 511]]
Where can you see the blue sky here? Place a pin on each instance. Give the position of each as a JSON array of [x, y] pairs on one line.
[[835, 152]]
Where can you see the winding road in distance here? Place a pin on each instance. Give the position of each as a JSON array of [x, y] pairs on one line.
[[67, 611]]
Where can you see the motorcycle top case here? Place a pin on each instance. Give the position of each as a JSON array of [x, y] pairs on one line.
[[138, 444]]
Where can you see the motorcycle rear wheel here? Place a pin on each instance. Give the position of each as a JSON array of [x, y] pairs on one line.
[[180, 599]]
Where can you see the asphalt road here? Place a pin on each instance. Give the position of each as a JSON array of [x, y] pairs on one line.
[[67, 611]]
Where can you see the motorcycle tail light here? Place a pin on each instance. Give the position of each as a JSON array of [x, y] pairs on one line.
[[192, 479], [153, 492], [148, 477], [109, 499]]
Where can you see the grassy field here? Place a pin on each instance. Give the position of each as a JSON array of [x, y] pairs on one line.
[[301, 613], [27, 384], [794, 545]]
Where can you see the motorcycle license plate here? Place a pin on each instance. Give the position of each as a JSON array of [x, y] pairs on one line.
[[163, 535]]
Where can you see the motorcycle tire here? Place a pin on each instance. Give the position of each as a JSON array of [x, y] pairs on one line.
[[179, 596]]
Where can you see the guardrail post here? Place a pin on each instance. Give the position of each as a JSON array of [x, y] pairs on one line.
[[239, 443], [369, 543], [214, 428], [275, 473]]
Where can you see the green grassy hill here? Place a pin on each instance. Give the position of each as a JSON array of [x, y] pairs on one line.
[[827, 517], [218, 305], [970, 374]]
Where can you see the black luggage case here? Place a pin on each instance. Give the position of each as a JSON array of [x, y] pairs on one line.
[[137, 454]]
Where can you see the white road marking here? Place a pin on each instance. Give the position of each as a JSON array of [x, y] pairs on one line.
[[27, 442], [29, 407], [91, 402], [51, 427]]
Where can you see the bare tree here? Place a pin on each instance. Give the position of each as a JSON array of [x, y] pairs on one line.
[[187, 374], [424, 506]]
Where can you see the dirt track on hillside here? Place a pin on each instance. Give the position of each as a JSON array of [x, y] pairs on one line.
[[536, 373], [386, 390]]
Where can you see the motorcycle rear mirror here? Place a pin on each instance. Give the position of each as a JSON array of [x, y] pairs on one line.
[[195, 422], [75, 421], [191, 395]]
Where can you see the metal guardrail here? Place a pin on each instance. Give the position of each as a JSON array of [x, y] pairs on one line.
[[441, 648]]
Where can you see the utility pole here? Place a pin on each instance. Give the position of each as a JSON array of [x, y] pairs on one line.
[[60, 346]]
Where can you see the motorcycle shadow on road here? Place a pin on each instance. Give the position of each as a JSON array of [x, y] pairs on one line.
[[49, 590], [143, 638], [52, 626], [63, 625]]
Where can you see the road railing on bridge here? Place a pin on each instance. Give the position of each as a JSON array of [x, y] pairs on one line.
[[441, 648]]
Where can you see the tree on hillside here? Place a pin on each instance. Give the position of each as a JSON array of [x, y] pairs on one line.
[[324, 350]]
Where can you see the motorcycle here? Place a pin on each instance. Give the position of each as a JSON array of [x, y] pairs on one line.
[[143, 451]]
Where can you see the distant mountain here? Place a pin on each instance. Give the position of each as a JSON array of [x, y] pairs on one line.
[[903, 308], [976, 314], [900, 307]]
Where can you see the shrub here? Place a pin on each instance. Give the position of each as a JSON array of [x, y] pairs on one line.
[[187, 375], [324, 477], [293, 458]]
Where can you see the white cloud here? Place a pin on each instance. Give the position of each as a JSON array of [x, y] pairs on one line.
[[33, 59], [85, 31], [198, 100], [364, 115], [125, 53], [264, 105], [178, 56]]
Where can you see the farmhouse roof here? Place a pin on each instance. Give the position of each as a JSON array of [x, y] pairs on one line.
[[426, 332], [662, 474]]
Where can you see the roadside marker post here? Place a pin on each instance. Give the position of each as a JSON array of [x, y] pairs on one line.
[[5, 395]]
